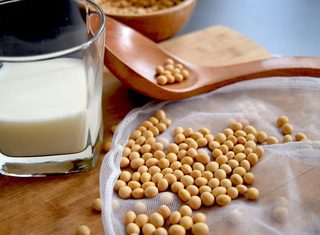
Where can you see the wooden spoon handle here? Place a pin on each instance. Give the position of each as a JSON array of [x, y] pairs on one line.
[[282, 66]]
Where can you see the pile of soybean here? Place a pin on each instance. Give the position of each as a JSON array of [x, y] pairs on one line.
[[136, 7], [203, 169], [171, 72]]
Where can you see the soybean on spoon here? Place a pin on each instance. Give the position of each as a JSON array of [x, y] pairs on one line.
[[132, 58]]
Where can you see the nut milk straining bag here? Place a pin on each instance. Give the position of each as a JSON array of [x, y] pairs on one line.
[[288, 175]]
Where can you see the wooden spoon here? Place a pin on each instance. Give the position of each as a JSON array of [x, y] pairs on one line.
[[132, 58]]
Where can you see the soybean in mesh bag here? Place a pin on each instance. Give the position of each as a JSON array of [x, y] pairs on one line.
[[287, 176]]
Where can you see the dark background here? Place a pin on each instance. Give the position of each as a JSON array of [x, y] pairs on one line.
[[285, 27]]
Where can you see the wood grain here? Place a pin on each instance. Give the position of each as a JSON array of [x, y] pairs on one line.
[[59, 204], [216, 46]]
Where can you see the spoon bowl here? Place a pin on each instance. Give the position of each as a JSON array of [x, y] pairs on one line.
[[132, 58]]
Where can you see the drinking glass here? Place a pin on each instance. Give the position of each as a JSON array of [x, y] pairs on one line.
[[51, 69]]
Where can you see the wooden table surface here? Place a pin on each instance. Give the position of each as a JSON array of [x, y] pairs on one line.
[[59, 204]]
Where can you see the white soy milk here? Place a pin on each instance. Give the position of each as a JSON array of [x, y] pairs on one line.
[[44, 108]]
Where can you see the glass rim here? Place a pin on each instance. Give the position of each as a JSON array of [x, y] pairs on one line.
[[65, 51]]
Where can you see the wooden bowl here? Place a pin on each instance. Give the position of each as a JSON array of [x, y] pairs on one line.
[[161, 24]]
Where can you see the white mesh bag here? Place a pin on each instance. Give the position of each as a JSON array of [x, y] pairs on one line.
[[290, 170]]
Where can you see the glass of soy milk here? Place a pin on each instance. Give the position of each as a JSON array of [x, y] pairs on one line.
[[51, 68]]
